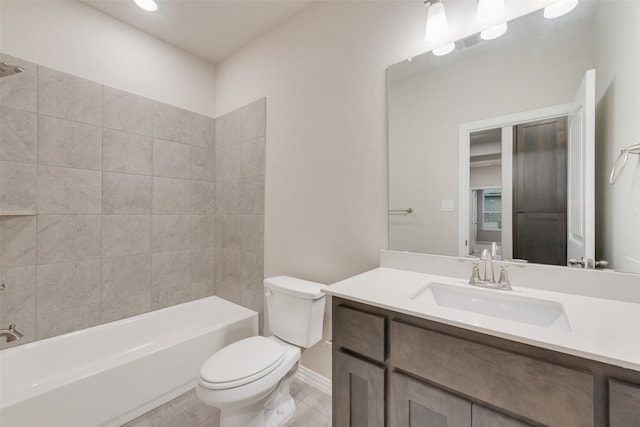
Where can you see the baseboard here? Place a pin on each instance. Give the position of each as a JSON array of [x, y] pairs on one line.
[[313, 378]]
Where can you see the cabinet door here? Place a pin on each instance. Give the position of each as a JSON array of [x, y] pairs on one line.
[[485, 417], [415, 404], [624, 404], [358, 392]]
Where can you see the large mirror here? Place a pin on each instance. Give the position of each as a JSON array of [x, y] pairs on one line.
[[454, 123]]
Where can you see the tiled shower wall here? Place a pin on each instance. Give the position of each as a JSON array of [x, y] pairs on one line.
[[118, 204]]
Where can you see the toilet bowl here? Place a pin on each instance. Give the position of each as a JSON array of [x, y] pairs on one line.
[[249, 379]]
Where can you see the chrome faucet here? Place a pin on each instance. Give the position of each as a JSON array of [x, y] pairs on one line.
[[488, 279], [11, 334]]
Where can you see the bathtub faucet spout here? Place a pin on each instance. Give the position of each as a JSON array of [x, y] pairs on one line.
[[11, 334]]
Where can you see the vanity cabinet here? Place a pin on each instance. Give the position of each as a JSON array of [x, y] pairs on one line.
[[624, 404], [397, 370]]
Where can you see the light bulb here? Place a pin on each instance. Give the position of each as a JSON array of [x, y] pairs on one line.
[[560, 8], [444, 50], [494, 32], [489, 10], [148, 5], [437, 28]]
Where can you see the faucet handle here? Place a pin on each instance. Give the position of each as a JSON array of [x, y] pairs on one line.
[[475, 274], [503, 281]]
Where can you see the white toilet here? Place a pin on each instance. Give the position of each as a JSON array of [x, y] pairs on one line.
[[249, 379]]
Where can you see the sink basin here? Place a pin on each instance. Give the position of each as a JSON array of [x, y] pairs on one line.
[[495, 303]]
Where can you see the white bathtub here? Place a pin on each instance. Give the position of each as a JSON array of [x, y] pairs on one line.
[[110, 374]]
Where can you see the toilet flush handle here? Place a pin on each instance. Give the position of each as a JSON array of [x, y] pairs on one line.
[[268, 292]]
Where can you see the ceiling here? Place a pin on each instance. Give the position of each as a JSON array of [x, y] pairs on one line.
[[209, 29]]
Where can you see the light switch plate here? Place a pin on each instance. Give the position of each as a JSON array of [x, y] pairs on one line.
[[447, 205]]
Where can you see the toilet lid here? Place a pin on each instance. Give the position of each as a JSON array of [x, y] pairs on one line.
[[242, 362]]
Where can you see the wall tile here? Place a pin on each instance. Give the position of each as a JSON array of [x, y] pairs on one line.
[[171, 159], [126, 194], [171, 278], [228, 129], [252, 200], [202, 289], [18, 136], [244, 232], [202, 131], [218, 230], [19, 91], [171, 123], [126, 286], [254, 120], [18, 300], [66, 238], [68, 285], [50, 324], [202, 164], [171, 233], [126, 152], [202, 265], [66, 143], [18, 240], [253, 158], [242, 269], [127, 112], [126, 235], [228, 163], [171, 196], [229, 197], [64, 190], [69, 97], [202, 231], [203, 198], [17, 187]]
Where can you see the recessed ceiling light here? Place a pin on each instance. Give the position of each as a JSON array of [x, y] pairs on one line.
[[494, 32], [444, 50], [560, 8], [148, 5]]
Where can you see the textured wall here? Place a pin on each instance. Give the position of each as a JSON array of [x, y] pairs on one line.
[[122, 188]]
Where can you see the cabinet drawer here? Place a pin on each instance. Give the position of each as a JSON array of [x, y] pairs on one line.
[[359, 332], [624, 404], [546, 393]]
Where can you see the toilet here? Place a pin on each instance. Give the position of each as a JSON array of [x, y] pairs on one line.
[[249, 379]]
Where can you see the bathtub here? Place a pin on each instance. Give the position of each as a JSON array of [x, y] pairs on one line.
[[109, 374]]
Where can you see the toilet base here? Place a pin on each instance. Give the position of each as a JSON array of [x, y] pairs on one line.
[[274, 410]]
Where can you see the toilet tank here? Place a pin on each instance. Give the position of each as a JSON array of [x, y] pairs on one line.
[[295, 309]]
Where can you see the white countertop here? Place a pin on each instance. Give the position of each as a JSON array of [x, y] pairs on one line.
[[599, 329]]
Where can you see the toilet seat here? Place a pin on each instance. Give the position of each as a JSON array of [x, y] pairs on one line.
[[242, 362]]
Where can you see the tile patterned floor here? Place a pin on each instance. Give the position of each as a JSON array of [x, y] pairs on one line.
[[313, 408]]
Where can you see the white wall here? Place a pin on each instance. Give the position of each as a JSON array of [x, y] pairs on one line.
[[74, 38], [323, 73], [618, 126], [425, 113]]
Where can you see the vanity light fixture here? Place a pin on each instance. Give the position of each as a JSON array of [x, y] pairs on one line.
[[437, 28], [148, 5], [444, 50], [560, 8], [489, 10], [494, 32]]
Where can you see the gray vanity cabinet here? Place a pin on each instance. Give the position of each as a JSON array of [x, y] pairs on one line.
[[416, 404], [393, 369], [358, 368], [624, 404], [358, 392]]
